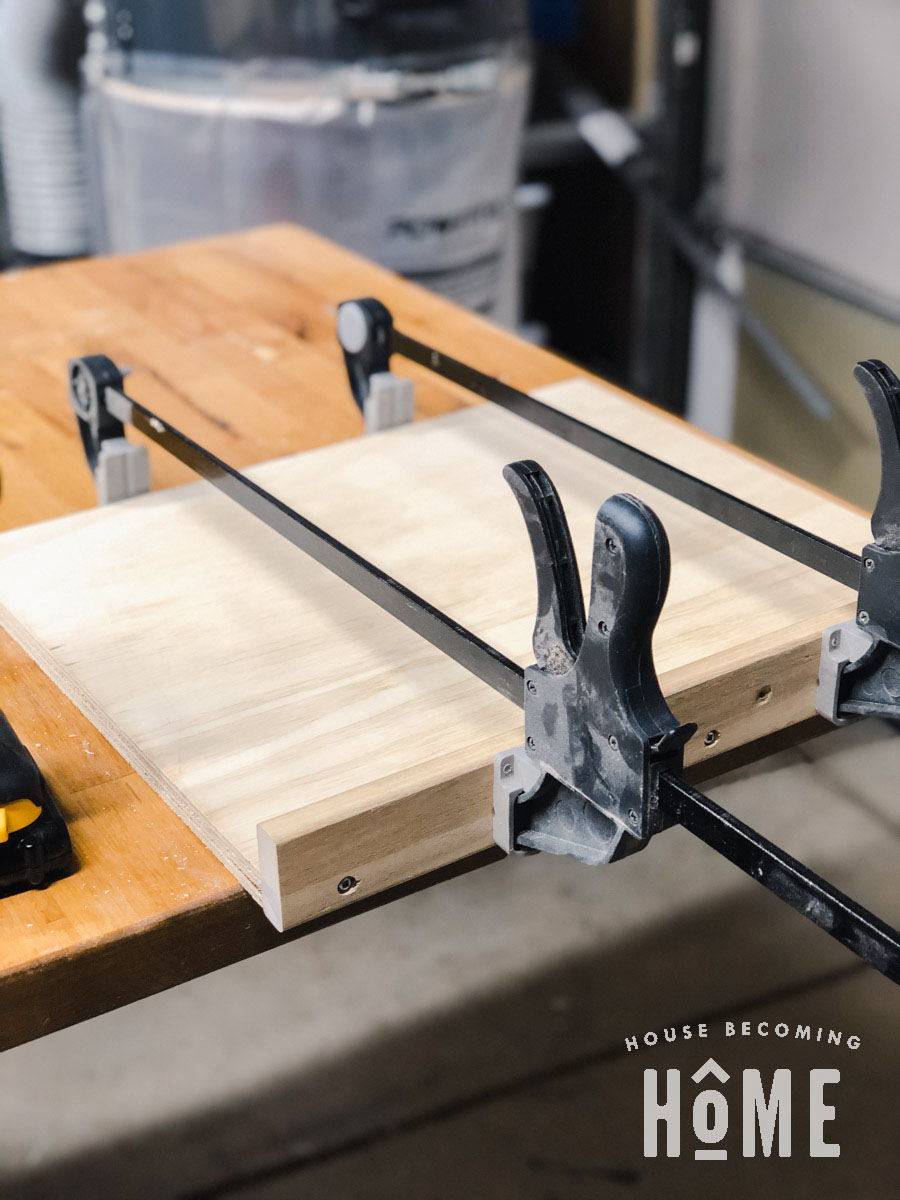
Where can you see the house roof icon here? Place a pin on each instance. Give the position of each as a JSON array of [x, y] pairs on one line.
[[710, 1067]]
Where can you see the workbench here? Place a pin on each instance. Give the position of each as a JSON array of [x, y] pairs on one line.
[[247, 322], [233, 341]]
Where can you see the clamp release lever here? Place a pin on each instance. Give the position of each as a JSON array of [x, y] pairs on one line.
[[882, 390], [559, 627]]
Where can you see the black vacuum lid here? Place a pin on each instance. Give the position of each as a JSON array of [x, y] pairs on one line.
[[343, 30]]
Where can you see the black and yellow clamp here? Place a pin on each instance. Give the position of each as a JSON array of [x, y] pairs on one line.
[[34, 841]]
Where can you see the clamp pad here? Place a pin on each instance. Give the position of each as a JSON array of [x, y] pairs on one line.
[[859, 675], [390, 402], [122, 470]]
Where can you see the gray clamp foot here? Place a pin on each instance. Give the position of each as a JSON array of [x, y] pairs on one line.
[[390, 403], [122, 470]]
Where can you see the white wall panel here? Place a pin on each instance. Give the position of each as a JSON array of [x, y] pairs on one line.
[[806, 127]]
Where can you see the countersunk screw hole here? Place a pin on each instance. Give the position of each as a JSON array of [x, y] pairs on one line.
[[529, 742], [612, 545], [869, 564], [613, 741], [632, 816], [532, 686], [862, 618], [764, 695], [603, 627], [711, 738], [506, 767], [347, 885]]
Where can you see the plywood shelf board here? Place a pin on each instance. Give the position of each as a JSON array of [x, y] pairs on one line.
[[304, 734]]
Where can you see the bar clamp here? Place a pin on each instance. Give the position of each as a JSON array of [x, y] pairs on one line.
[[859, 668], [120, 468], [601, 771], [598, 731], [364, 331]]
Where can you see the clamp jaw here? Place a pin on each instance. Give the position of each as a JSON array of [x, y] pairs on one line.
[[120, 468], [34, 841], [364, 330], [598, 730], [859, 669]]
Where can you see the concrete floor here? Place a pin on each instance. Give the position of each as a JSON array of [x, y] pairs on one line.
[[469, 1040]]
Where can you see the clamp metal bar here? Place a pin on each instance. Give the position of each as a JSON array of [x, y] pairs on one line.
[[459, 643], [799, 544], [447, 635], [869, 938]]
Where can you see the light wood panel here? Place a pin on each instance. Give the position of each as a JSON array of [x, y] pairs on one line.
[[305, 735]]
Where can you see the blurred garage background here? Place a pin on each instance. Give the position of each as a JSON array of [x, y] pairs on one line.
[[696, 199]]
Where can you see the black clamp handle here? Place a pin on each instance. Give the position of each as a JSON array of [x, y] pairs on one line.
[[859, 671], [879, 585], [598, 729]]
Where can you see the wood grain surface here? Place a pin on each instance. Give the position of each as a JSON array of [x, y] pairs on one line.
[[266, 700], [232, 340]]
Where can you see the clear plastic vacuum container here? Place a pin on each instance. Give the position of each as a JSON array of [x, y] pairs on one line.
[[399, 139]]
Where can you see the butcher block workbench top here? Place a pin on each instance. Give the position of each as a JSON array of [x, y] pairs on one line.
[[232, 340]]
